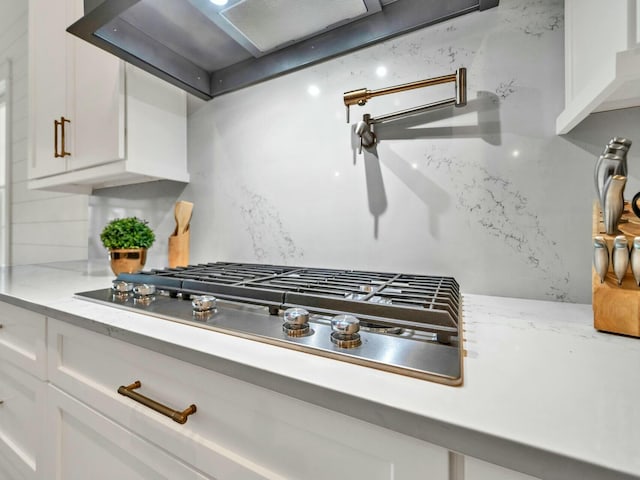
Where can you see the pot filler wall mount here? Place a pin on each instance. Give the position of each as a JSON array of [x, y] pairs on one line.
[[365, 128], [400, 323]]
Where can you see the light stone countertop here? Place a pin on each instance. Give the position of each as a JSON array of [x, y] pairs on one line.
[[544, 393]]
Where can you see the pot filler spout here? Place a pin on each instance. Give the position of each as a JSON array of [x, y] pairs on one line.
[[364, 128]]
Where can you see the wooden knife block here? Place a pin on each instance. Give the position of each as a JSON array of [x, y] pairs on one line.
[[616, 308]]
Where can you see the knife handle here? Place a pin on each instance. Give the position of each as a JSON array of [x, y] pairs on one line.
[[634, 204]]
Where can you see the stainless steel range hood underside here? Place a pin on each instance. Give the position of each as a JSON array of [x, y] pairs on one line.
[[209, 50]]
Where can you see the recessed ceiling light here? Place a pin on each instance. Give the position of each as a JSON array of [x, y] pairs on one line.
[[219, 2]]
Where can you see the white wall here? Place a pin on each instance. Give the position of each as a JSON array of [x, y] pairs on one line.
[[488, 194], [46, 226]]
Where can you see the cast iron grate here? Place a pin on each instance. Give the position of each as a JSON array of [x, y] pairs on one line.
[[419, 302]]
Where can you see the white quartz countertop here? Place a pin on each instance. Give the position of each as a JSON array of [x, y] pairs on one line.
[[543, 391]]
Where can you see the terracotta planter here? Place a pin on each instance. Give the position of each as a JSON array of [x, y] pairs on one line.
[[127, 260]]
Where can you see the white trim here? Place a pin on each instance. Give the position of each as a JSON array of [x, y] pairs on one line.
[[5, 76]]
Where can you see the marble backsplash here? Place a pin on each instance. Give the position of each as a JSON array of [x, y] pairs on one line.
[[486, 193]]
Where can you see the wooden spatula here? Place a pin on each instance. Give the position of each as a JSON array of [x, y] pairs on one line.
[[183, 211]]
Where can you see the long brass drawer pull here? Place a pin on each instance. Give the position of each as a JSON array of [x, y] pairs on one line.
[[175, 415], [60, 124]]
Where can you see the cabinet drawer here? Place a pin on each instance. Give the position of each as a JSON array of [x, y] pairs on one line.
[[88, 445], [240, 431], [9, 471], [21, 416], [22, 339]]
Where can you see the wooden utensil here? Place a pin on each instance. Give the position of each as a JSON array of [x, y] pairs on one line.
[[179, 241], [183, 211]]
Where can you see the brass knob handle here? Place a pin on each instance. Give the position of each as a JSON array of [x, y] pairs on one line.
[[175, 415]]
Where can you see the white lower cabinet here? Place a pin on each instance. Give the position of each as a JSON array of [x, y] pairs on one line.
[[90, 446], [62, 418], [239, 431], [22, 339], [9, 472], [22, 393], [20, 420]]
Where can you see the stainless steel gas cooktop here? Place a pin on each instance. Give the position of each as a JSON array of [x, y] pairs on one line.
[[400, 323]]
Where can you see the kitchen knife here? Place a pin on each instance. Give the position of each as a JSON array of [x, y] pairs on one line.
[[600, 257], [621, 141], [635, 259], [619, 146], [613, 202], [606, 166], [620, 257], [618, 150]]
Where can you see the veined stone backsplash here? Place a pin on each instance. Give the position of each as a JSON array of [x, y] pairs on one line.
[[487, 193]]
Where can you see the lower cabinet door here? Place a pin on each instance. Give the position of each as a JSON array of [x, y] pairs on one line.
[[86, 445], [240, 431], [22, 339], [9, 470], [21, 414]]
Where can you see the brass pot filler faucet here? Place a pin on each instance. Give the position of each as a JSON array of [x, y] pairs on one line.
[[364, 128]]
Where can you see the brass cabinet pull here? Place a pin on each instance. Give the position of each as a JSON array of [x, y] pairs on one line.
[[59, 123], [175, 415]]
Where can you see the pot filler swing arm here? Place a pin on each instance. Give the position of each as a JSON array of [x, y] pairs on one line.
[[364, 128]]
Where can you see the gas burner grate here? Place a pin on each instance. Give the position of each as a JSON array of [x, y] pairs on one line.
[[418, 302]]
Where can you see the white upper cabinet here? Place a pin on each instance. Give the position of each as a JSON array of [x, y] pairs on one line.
[[602, 58], [95, 121]]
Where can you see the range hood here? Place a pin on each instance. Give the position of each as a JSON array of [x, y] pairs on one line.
[[209, 49]]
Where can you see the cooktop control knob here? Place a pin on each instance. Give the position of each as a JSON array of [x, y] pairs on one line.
[[296, 322], [144, 294], [121, 291], [203, 303], [122, 287], [144, 290], [344, 331]]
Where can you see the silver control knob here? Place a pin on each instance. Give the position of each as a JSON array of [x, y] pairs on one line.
[[144, 290], [122, 287], [144, 294], [344, 331], [203, 303], [296, 322], [346, 324]]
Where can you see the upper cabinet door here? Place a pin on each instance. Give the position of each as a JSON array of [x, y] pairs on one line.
[[99, 107], [120, 126], [48, 45], [602, 71], [76, 80]]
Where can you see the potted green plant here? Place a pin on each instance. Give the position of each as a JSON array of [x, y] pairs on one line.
[[127, 240]]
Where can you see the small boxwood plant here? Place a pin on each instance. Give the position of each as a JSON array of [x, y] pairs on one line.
[[128, 232]]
